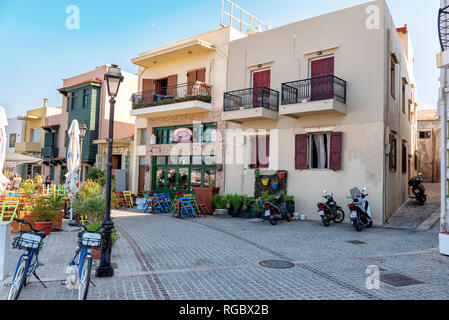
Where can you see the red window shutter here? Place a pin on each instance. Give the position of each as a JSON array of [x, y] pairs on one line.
[[253, 144], [201, 75], [301, 152], [172, 82], [191, 78], [336, 150], [148, 90]]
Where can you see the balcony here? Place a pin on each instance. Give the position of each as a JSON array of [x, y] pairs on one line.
[[27, 147], [443, 34], [171, 101], [257, 103], [49, 153], [314, 96]]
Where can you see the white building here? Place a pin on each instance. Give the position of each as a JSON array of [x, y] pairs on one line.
[[14, 133]]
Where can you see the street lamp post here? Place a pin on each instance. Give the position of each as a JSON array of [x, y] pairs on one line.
[[83, 130], [113, 79]]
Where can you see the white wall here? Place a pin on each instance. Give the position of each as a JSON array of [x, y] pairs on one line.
[[14, 126]]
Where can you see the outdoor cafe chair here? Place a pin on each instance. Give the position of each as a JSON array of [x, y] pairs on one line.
[[186, 208], [10, 204]]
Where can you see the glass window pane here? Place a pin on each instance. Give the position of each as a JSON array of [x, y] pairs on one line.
[[197, 160], [173, 160], [209, 178], [197, 132], [160, 178], [171, 179], [161, 160], [210, 160], [184, 160], [142, 161], [183, 179], [195, 179]]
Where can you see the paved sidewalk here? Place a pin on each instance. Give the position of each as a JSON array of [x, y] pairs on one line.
[[160, 257], [416, 217]]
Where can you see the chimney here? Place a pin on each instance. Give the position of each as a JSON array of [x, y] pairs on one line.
[[45, 103]]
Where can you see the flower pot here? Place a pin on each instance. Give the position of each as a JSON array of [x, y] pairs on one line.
[[265, 181], [281, 175], [41, 225], [257, 174], [275, 186], [96, 254], [220, 212]]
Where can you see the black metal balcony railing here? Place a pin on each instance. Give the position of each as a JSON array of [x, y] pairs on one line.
[[174, 94], [314, 89], [258, 97], [50, 152], [443, 28]]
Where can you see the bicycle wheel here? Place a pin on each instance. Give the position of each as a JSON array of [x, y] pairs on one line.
[[85, 278], [19, 280]]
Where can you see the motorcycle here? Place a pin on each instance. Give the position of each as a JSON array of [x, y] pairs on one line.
[[418, 189], [360, 209], [330, 211], [277, 210]]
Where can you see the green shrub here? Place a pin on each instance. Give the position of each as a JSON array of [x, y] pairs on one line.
[[218, 202]]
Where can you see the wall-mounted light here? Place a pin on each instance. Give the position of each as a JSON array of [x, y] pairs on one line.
[[319, 53]]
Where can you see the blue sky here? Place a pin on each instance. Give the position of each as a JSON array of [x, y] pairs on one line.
[[37, 50]]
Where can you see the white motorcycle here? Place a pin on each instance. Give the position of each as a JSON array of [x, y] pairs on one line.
[[360, 209]]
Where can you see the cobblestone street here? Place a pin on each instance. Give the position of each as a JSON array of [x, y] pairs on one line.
[[160, 257]]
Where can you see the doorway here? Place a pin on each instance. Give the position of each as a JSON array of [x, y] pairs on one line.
[[322, 86], [261, 85]]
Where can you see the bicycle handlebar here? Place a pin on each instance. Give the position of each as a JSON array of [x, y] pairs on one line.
[[31, 226], [76, 224]]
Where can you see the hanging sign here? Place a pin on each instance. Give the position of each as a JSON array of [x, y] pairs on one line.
[[182, 135]]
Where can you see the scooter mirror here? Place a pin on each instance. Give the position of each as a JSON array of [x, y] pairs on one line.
[[420, 174], [364, 189], [325, 192]]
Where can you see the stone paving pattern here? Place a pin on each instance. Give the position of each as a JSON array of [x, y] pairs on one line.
[[160, 257]]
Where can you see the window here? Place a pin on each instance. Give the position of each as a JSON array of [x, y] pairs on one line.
[[318, 151], [164, 135], [393, 79], [35, 135], [66, 141], [52, 173], [86, 99], [392, 156], [260, 151], [206, 132], [142, 133], [73, 100], [404, 156], [425, 134], [12, 140], [403, 98]]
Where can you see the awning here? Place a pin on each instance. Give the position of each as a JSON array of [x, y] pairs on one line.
[[16, 158]]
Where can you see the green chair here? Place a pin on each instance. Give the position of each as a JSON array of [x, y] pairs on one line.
[[14, 204], [192, 198]]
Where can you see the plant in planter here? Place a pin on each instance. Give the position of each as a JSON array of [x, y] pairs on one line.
[[246, 206], [45, 208], [236, 204], [219, 204], [227, 200], [96, 252]]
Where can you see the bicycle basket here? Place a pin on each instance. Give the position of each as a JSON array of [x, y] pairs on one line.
[[90, 240], [27, 241]]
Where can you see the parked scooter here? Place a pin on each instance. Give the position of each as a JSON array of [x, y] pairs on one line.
[[277, 210], [418, 189], [360, 209], [330, 211]]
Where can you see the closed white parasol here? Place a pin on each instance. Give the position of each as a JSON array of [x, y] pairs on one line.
[[73, 159], [3, 123]]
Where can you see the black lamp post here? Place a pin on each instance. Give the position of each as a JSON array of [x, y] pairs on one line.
[[113, 79], [83, 130]]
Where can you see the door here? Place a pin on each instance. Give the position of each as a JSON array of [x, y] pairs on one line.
[[261, 85], [322, 86], [141, 178]]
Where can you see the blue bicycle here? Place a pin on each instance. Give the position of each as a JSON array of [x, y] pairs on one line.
[[80, 269], [28, 262]]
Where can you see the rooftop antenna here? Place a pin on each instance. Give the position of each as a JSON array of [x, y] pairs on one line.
[[234, 16]]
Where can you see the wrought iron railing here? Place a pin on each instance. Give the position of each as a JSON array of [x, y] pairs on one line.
[[443, 28], [50, 152], [314, 89], [258, 97], [172, 94]]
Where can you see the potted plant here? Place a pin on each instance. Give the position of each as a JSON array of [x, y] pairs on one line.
[[219, 205], [281, 175], [227, 200], [96, 252], [236, 204], [45, 210]]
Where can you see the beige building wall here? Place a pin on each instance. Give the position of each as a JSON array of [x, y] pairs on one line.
[[361, 60], [429, 148]]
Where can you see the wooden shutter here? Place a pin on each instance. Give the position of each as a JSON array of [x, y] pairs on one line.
[[253, 145], [148, 90], [191, 78], [301, 152], [336, 150], [172, 82], [201, 75]]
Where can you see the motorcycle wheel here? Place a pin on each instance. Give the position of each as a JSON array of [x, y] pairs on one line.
[[340, 216], [357, 225], [326, 222], [370, 223], [422, 200], [289, 217], [273, 220]]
